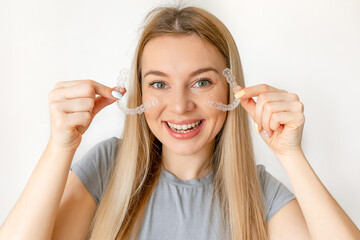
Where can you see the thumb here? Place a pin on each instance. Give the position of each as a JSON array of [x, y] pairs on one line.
[[249, 105], [101, 102]]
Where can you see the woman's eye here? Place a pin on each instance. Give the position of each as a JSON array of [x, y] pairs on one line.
[[158, 85], [202, 83]]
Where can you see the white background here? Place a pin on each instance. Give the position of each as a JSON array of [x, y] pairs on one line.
[[311, 48]]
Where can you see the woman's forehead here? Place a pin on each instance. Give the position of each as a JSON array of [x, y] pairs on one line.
[[180, 54]]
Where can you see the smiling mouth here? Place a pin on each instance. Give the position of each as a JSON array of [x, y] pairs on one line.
[[185, 128]]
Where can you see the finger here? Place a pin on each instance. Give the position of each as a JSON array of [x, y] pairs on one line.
[[80, 90], [248, 102], [249, 105], [103, 90], [99, 88], [120, 90], [254, 91], [78, 119], [273, 107], [64, 84], [290, 119], [278, 96], [76, 105], [100, 103], [264, 98]]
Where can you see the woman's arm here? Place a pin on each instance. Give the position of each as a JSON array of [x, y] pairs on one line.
[[293, 219], [73, 105], [279, 118], [324, 216], [35, 212]]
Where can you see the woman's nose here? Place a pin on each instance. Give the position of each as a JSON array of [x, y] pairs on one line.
[[181, 102]]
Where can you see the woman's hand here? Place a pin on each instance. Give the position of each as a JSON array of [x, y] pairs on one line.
[[279, 113], [73, 105]]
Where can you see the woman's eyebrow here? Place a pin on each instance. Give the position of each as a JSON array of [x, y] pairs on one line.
[[193, 74], [202, 70]]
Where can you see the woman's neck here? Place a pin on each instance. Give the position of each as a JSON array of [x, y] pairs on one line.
[[187, 167]]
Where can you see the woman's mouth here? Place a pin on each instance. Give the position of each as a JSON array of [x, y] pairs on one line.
[[185, 128], [184, 131]]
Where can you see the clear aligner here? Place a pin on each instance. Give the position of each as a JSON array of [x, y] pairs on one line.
[[122, 79], [223, 107], [230, 78], [140, 109], [226, 107]]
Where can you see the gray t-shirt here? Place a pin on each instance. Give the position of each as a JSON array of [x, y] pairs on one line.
[[177, 209]]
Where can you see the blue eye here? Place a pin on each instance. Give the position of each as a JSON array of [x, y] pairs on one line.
[[202, 83], [158, 85]]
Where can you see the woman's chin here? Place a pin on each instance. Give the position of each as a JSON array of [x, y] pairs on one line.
[[182, 150]]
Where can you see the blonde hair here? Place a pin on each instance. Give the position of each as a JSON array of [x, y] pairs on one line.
[[138, 161]]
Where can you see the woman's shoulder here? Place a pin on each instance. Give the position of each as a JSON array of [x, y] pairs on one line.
[[95, 167], [108, 144], [102, 153], [275, 193]]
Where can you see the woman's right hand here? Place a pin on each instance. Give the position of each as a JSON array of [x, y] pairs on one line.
[[73, 105]]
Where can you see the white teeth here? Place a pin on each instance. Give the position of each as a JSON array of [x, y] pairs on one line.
[[184, 128]]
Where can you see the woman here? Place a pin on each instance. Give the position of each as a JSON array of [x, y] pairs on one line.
[[160, 183]]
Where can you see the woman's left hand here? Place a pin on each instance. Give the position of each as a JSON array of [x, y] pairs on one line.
[[279, 113]]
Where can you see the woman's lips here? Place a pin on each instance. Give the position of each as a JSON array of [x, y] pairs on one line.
[[187, 135], [184, 121]]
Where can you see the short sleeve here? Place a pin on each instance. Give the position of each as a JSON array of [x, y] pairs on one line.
[[276, 194], [95, 167]]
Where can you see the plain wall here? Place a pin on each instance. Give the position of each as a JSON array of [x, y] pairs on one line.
[[310, 48]]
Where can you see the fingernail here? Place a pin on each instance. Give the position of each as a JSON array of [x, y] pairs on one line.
[[120, 90], [256, 128], [240, 94], [266, 134], [116, 94]]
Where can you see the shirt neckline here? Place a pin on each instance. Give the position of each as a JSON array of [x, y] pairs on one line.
[[192, 182]]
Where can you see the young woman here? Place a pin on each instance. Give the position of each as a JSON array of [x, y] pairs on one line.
[[159, 182]]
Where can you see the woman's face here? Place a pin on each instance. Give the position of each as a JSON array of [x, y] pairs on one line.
[[182, 72]]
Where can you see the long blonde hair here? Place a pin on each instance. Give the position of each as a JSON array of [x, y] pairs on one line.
[[138, 161]]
